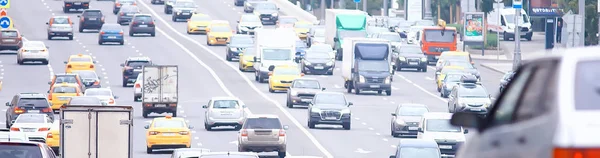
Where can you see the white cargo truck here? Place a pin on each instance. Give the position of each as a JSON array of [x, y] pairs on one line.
[[160, 91], [505, 26], [366, 65], [96, 131], [274, 47]]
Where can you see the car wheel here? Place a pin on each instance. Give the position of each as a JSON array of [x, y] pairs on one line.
[[80, 29], [346, 126], [131, 33], [228, 57], [148, 150], [438, 88], [153, 34], [71, 37], [289, 104], [173, 18], [271, 90], [124, 83], [49, 37], [45, 62], [174, 114], [379, 92], [356, 90], [99, 42], [122, 42], [311, 125], [20, 62], [424, 69], [207, 127], [281, 154], [388, 92], [145, 115]]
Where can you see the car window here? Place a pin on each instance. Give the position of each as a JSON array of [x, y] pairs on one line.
[[535, 100], [505, 106], [391, 37], [316, 55], [410, 50], [412, 111], [81, 60], [34, 44], [419, 152], [64, 90], [312, 84], [16, 150], [31, 119], [441, 125], [9, 33], [138, 64], [169, 124], [226, 104], [142, 19], [92, 13], [60, 21], [87, 74], [32, 102], [262, 123], [220, 29], [65, 79], [324, 98]]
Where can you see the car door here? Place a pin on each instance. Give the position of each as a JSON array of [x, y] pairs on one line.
[[208, 110], [11, 106], [451, 99]]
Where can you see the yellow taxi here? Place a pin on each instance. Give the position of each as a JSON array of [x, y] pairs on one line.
[[168, 133], [282, 76], [453, 55], [218, 32], [302, 28], [53, 137], [439, 76], [246, 62], [60, 93], [80, 62], [198, 23]]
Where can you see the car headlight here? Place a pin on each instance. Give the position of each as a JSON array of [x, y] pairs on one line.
[[274, 14], [387, 80], [400, 122], [233, 49], [423, 59], [346, 111], [294, 93], [402, 58], [307, 62], [329, 63], [361, 78], [315, 110]]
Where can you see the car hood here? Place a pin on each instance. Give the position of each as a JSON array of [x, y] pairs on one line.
[[411, 118], [250, 24], [249, 58], [265, 11], [318, 60], [457, 136], [301, 30], [406, 55], [330, 106], [305, 90]]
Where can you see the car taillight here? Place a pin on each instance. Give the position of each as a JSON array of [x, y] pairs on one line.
[[86, 4], [102, 19], [97, 83], [19, 111], [153, 132], [49, 135], [576, 152], [47, 110], [137, 85], [91, 66], [151, 23], [244, 133], [184, 133], [102, 33], [68, 66], [43, 129], [281, 132], [121, 33], [112, 101], [14, 129], [133, 23], [78, 94]]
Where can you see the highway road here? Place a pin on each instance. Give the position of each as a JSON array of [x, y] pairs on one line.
[[205, 74]]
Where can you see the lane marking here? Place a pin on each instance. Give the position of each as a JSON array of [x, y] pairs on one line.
[[423, 89], [429, 78], [243, 76]]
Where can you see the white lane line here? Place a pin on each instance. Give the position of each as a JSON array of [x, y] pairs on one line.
[[393, 146], [50, 69], [337, 86], [371, 129], [384, 139], [385, 98], [235, 69], [393, 102], [423, 89], [429, 78], [364, 123], [378, 134], [199, 144], [356, 118]]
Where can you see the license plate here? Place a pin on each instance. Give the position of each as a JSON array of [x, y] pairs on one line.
[[63, 98], [92, 19], [374, 86], [318, 67], [160, 105], [220, 39], [77, 3], [9, 40], [330, 118], [306, 100], [33, 111], [168, 134], [28, 130], [475, 109], [445, 147], [413, 128], [185, 13], [413, 63], [265, 18], [112, 37], [143, 25]]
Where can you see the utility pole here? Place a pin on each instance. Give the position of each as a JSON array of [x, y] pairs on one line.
[[332, 4], [385, 7], [582, 14], [364, 3], [517, 5]]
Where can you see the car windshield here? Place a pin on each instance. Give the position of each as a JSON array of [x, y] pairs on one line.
[[375, 66], [142, 19], [34, 44], [241, 40], [321, 48], [472, 92], [441, 125], [65, 79], [9, 33], [311, 84], [287, 20], [265, 6], [250, 51], [85, 101], [319, 33], [453, 78], [465, 65], [98, 92], [87, 74], [31, 119], [20, 150], [185, 5], [226, 104], [412, 111], [446, 71], [138, 64], [169, 124], [352, 33], [64, 89], [81, 59], [262, 123], [33, 102], [111, 27], [276, 54], [317, 55], [286, 71], [60, 21], [433, 35], [250, 18], [391, 37], [303, 25], [419, 152], [220, 29], [201, 18], [410, 50], [337, 99]]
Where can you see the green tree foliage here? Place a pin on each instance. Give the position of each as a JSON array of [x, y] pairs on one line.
[[373, 6]]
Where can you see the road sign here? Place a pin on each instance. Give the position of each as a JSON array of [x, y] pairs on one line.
[[517, 4], [3, 12], [5, 22], [355, 1], [5, 4]]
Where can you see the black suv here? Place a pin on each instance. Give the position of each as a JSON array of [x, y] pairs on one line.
[[330, 108], [27, 103], [142, 23], [132, 68], [91, 19]]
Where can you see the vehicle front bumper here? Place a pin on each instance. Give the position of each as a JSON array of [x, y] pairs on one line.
[[247, 65], [405, 130], [411, 64], [373, 86], [166, 142], [269, 18], [197, 29], [246, 31], [523, 34], [476, 110], [60, 33], [278, 86], [218, 40], [152, 107], [182, 15], [325, 68], [263, 146], [316, 119]]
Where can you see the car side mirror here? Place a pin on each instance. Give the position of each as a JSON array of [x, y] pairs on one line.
[[255, 59], [466, 131], [7, 103], [323, 89], [116, 97], [47, 23], [393, 114], [420, 129], [244, 106], [270, 73], [49, 82], [204, 106], [238, 21], [122, 65], [65, 62], [48, 92], [191, 127], [286, 127], [147, 126], [467, 120], [350, 103], [489, 96]]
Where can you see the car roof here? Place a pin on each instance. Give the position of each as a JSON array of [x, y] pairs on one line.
[[142, 15], [423, 143], [454, 53], [32, 143], [263, 116], [192, 149], [85, 97], [230, 153], [32, 95], [165, 118], [224, 98], [60, 16], [306, 79], [437, 115], [138, 58], [80, 56], [98, 89]]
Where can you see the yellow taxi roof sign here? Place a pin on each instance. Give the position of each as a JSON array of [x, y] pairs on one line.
[[441, 23], [79, 54], [168, 117]]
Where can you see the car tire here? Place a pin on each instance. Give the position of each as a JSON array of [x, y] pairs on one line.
[[153, 34], [504, 37], [356, 91], [152, 2], [346, 126], [289, 104], [122, 42], [49, 37], [207, 127], [424, 69], [311, 125], [114, 11], [438, 88], [100, 42], [174, 114], [45, 62], [330, 73], [173, 18], [135, 98], [148, 150], [124, 83], [145, 114], [130, 33], [71, 37], [228, 57], [379, 92], [271, 90], [165, 10], [80, 29], [388, 92], [20, 62], [281, 154]]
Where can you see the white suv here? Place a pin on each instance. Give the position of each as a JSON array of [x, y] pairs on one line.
[[138, 87], [33, 51], [436, 126]]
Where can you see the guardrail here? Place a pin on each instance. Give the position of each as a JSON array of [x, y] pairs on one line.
[[288, 8]]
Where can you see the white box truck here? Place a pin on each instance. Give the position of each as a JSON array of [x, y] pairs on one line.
[[96, 131], [273, 47], [160, 91], [505, 26], [366, 65], [344, 23]]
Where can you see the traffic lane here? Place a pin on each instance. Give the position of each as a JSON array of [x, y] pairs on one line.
[[490, 79]]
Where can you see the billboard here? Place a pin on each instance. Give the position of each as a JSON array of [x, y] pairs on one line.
[[474, 27], [544, 8]]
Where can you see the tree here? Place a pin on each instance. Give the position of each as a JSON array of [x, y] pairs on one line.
[[486, 7]]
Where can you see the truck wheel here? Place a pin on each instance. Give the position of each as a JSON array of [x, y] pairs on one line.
[[71, 37], [281, 154], [174, 114], [145, 115], [424, 69], [148, 150], [379, 92], [124, 83], [504, 37], [349, 87], [311, 125], [346, 126], [356, 90], [289, 104], [388, 92]]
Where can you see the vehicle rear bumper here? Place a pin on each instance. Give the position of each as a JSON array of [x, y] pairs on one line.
[[373, 86], [60, 33], [142, 29], [263, 146], [151, 107]]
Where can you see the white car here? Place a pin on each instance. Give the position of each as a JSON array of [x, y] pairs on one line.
[[137, 88], [412, 34], [224, 111], [104, 94], [7, 136], [33, 51], [436, 126], [35, 126]]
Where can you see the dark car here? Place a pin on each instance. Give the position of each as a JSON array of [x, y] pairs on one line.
[[132, 68], [505, 80], [27, 103], [329, 108], [406, 118], [315, 62], [10, 39], [410, 56], [249, 5], [121, 3], [183, 10], [20, 149], [266, 11], [142, 23], [111, 33], [302, 91], [237, 44], [90, 78], [168, 9], [239, 3], [157, 1], [126, 14], [91, 19], [417, 148]]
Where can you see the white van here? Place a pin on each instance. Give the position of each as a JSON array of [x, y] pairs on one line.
[[436, 126], [506, 25]]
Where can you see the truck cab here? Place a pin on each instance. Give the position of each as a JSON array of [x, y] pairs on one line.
[[366, 65], [342, 23], [437, 39], [274, 47], [505, 26]]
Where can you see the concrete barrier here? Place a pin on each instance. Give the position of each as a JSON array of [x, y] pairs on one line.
[[290, 9]]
